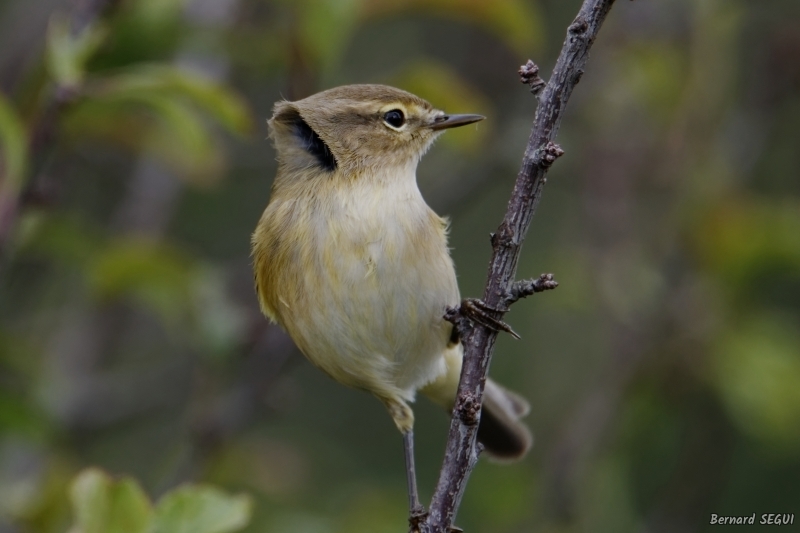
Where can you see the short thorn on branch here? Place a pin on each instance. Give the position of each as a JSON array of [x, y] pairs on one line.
[[579, 26], [526, 287], [473, 310], [417, 518], [468, 408], [529, 75], [549, 154]]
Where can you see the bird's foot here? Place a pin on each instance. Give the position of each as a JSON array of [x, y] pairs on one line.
[[480, 312]]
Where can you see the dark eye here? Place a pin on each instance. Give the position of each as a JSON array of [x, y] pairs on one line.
[[394, 118]]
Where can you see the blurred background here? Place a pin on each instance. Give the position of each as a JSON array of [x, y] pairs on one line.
[[663, 374]]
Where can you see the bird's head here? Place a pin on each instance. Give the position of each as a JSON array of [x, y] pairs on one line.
[[357, 129]]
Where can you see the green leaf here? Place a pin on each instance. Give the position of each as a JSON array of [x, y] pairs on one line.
[[67, 53], [165, 111], [103, 505], [181, 138], [201, 509], [64, 238], [168, 129], [13, 149], [517, 23], [741, 238], [654, 74], [155, 275], [156, 12], [146, 81], [756, 371], [325, 27]]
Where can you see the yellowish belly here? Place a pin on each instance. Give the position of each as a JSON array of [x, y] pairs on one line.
[[361, 289]]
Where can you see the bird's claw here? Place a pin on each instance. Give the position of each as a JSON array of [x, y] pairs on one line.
[[478, 311]]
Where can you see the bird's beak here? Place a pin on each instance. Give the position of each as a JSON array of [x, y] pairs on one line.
[[453, 121]]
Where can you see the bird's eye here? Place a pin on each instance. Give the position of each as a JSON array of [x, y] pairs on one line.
[[394, 118]]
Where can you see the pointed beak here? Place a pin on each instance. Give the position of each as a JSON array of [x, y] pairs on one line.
[[443, 122]]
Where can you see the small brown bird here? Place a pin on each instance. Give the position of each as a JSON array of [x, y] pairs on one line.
[[354, 265]]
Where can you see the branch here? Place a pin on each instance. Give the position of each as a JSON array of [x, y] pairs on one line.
[[501, 289], [526, 287], [42, 137]]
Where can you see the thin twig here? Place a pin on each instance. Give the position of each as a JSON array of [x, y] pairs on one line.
[[42, 137], [526, 287], [478, 339]]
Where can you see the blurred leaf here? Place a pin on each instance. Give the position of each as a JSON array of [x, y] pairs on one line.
[[20, 415], [13, 149], [103, 505], [156, 275], [325, 27], [445, 89], [142, 30], [740, 240], [168, 129], [517, 23], [35, 494], [155, 12], [67, 53], [64, 238], [201, 509], [213, 98], [165, 111], [181, 138], [757, 372], [655, 72]]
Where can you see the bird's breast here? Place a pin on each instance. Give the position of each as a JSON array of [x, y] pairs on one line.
[[366, 280]]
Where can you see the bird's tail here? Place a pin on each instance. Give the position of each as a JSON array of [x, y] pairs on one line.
[[504, 436]]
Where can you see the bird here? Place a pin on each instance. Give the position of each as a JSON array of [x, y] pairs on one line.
[[354, 265]]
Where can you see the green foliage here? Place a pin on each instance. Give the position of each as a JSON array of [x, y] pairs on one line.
[[157, 276], [13, 149], [757, 371], [105, 505], [68, 53], [192, 509], [212, 98], [655, 73], [514, 22], [324, 28], [742, 240], [165, 111]]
